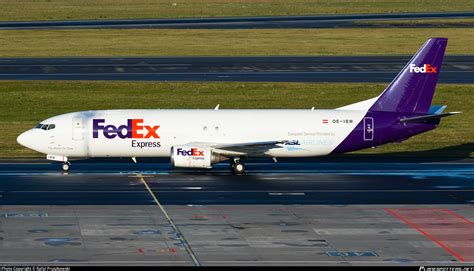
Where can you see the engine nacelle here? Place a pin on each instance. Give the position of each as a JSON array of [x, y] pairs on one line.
[[194, 157]]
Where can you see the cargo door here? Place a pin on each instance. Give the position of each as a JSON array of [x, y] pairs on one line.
[[77, 129]]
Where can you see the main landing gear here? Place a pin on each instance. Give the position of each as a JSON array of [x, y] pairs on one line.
[[237, 166], [66, 166]]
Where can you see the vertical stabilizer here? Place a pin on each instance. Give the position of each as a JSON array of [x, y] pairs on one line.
[[413, 88]]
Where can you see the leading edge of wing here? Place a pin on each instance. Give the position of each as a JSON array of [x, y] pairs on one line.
[[245, 148]]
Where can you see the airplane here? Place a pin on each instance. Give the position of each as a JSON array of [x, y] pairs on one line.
[[202, 138]]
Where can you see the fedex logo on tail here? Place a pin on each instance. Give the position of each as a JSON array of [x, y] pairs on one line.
[[133, 129], [427, 68], [191, 152]]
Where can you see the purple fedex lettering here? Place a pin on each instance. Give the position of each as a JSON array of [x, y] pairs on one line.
[[132, 129], [182, 152], [109, 131], [96, 126], [127, 128]]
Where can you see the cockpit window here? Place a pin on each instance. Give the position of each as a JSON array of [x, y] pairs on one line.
[[45, 126]]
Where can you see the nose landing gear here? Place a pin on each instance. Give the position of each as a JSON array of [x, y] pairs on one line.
[[237, 166], [66, 166]]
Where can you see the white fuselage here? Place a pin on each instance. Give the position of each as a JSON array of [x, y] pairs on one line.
[[317, 132]]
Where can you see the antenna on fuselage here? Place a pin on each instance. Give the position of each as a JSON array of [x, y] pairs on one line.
[[217, 107]]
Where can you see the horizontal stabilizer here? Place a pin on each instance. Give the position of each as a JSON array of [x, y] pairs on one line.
[[427, 118]]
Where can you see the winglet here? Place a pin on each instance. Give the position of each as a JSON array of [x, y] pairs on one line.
[[437, 109]]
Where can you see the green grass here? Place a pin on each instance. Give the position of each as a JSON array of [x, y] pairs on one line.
[[109, 9], [431, 23], [166, 42], [25, 103], [421, 21], [451, 23]]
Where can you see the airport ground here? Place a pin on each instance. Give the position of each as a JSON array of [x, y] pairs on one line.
[[400, 204], [456, 69], [219, 42], [408, 206], [344, 213], [424, 20], [130, 9], [287, 234]]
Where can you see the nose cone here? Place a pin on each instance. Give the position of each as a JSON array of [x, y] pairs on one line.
[[26, 139]]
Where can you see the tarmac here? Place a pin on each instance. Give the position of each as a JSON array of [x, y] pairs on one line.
[[237, 235], [333, 213], [263, 183], [315, 21], [455, 69]]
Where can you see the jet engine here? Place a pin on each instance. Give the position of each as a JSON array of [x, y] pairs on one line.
[[194, 157]]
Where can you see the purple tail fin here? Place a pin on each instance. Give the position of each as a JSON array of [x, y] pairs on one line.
[[413, 88]]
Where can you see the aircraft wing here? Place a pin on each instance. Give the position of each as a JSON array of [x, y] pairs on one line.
[[241, 149]]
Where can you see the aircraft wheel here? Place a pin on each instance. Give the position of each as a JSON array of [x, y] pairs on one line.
[[238, 168], [66, 166]]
